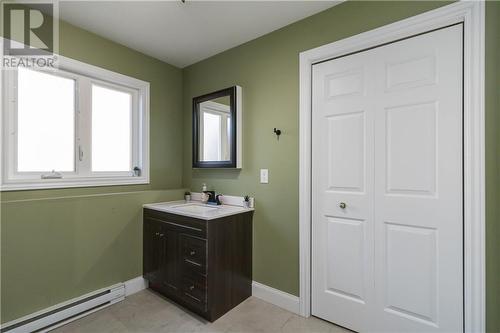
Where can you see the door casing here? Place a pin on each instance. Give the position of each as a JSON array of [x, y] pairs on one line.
[[472, 14]]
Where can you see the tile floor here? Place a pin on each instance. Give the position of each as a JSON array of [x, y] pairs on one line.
[[147, 312]]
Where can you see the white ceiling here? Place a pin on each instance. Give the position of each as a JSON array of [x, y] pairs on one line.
[[182, 34]]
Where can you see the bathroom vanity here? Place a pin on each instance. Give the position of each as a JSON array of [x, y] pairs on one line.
[[199, 256]]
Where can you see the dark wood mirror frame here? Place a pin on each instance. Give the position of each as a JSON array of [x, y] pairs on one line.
[[234, 161]]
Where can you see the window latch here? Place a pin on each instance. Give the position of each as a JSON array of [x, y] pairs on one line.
[[137, 171], [80, 153], [53, 175]]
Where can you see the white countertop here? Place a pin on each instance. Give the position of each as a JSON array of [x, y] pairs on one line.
[[197, 209]]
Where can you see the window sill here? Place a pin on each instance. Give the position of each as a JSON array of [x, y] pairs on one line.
[[71, 183]]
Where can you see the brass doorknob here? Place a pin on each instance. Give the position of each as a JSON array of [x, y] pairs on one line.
[[342, 205]]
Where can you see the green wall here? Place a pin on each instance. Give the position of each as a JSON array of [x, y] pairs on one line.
[[58, 248], [59, 244], [268, 71]]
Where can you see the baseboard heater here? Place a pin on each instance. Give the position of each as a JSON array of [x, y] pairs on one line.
[[63, 313]]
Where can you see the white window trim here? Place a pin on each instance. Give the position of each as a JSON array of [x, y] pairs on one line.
[[140, 148], [218, 109], [472, 14]]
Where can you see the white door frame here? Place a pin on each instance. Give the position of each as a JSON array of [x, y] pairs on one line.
[[472, 14]]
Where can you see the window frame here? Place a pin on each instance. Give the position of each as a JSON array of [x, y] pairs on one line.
[[85, 75], [12, 158], [224, 112]]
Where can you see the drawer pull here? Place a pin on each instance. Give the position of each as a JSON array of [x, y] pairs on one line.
[[196, 299], [170, 285], [192, 253], [192, 262], [161, 235]]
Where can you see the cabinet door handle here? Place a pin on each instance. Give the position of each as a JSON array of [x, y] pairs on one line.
[[192, 253], [191, 288], [161, 235]]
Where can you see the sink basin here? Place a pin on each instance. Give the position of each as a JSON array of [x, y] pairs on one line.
[[195, 208]]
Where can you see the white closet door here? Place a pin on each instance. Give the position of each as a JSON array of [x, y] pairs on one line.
[[343, 162], [418, 184], [387, 142]]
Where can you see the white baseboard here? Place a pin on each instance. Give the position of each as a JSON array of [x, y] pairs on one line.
[[135, 285], [277, 297], [271, 295]]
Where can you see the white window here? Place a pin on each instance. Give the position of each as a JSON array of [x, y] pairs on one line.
[[215, 130], [79, 125]]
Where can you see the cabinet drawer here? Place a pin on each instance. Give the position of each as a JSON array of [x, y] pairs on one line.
[[178, 223], [194, 289], [194, 251]]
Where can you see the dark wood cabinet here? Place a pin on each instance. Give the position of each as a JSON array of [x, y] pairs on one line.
[[152, 251], [203, 265]]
